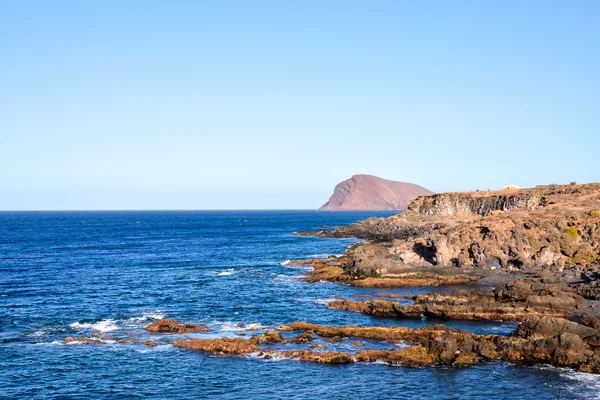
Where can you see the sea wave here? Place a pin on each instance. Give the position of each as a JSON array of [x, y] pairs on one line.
[[319, 256], [227, 272], [324, 302], [268, 357], [105, 325], [108, 325], [160, 347], [228, 326], [154, 315], [590, 381], [285, 278]]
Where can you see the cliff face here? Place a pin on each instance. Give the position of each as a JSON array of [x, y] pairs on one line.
[[368, 192], [542, 226], [451, 204]]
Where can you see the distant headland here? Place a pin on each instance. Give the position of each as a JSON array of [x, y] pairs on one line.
[[368, 192]]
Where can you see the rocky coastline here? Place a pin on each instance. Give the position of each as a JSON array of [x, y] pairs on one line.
[[526, 256]]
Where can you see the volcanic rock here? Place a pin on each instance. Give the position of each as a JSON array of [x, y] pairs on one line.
[[271, 337], [517, 302], [171, 326], [83, 340], [541, 226], [219, 346]]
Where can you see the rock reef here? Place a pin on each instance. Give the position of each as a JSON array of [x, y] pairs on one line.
[[517, 301], [546, 340], [523, 255], [171, 326]]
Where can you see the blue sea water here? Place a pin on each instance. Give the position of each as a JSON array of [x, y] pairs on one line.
[[77, 273]]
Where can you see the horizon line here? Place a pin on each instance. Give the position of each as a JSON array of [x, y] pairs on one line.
[[195, 209]]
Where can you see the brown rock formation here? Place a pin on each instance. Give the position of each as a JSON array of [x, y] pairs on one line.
[[334, 269], [523, 228], [302, 338], [548, 341], [171, 326], [83, 340], [368, 192], [537, 340], [219, 346], [271, 337], [518, 301]]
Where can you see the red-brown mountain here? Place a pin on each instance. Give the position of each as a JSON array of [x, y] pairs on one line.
[[368, 192]]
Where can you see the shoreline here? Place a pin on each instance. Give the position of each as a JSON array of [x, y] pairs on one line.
[[555, 306]]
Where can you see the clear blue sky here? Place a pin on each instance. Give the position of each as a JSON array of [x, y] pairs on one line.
[[269, 104]]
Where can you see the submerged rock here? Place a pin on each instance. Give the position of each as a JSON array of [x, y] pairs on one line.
[[83, 340]]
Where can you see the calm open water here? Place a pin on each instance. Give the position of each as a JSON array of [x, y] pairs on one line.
[[77, 273]]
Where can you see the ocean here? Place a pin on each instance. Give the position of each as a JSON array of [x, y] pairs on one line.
[[70, 274]]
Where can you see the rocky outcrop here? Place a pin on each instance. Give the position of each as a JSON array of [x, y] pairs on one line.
[[171, 326], [219, 346], [548, 327], [518, 301], [368, 192], [271, 337], [543, 226], [566, 344], [341, 270], [547, 340]]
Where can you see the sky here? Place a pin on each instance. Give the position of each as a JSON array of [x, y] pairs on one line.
[[269, 104]]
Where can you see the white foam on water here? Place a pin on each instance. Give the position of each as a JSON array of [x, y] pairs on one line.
[[106, 325], [227, 272], [272, 358], [590, 381], [581, 381], [402, 345], [319, 255], [285, 278], [36, 334], [379, 362], [286, 262], [229, 326], [332, 283], [154, 315], [73, 343], [325, 302]]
